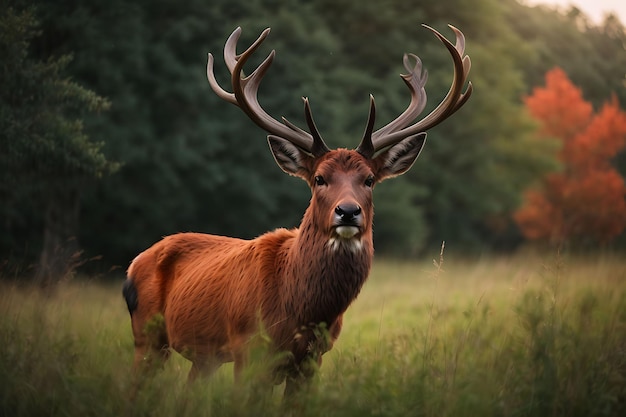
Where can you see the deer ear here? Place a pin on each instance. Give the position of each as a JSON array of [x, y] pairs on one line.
[[290, 158], [399, 158]]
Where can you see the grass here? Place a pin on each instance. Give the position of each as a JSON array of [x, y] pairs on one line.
[[518, 336]]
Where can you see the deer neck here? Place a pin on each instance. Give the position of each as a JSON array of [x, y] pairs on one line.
[[326, 272]]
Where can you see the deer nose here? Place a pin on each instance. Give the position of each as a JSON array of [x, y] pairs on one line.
[[348, 213]]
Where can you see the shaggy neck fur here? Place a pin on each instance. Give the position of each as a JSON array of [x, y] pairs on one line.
[[327, 272]]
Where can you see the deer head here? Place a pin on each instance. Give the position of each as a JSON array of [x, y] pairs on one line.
[[341, 180]]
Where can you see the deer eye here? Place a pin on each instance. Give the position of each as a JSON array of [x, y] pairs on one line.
[[319, 180], [369, 182]]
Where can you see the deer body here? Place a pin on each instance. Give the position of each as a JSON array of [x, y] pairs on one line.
[[212, 307], [213, 290], [216, 293]]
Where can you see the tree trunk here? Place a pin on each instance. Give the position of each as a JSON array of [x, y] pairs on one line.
[[60, 252]]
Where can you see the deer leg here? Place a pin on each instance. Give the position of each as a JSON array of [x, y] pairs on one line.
[[149, 357], [151, 352], [258, 387], [203, 367], [293, 385], [151, 344], [238, 366], [300, 378]]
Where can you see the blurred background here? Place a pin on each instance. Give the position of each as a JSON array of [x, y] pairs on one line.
[[112, 138]]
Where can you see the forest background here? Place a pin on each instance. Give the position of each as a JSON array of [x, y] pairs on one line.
[[111, 137]]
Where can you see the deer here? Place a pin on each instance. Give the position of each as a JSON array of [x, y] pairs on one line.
[[214, 294]]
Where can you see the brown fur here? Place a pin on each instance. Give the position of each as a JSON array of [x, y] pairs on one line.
[[207, 296], [212, 290]]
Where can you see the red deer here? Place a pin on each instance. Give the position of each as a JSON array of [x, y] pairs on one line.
[[214, 293]]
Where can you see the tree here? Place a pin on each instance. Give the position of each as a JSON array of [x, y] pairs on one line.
[[46, 157], [189, 161], [585, 201], [474, 166], [592, 55]]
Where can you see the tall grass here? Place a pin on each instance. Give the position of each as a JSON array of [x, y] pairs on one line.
[[520, 336]]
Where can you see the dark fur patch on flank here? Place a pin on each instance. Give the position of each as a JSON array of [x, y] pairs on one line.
[[130, 295]]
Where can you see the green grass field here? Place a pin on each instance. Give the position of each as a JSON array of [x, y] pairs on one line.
[[518, 336]]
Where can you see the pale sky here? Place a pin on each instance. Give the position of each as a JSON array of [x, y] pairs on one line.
[[595, 9]]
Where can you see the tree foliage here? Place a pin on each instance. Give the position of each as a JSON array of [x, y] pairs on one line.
[[190, 161], [44, 142], [46, 155], [591, 55], [586, 199]]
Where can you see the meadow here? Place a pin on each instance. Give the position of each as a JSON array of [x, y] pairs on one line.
[[527, 335]]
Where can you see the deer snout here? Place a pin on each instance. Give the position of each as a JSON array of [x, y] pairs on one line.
[[349, 214], [348, 219]]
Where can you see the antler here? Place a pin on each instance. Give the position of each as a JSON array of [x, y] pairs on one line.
[[398, 129], [245, 91]]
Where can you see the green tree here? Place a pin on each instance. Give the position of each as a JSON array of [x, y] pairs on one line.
[[47, 159], [190, 160], [193, 162], [592, 55], [475, 165]]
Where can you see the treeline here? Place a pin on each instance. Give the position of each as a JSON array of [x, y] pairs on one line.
[[153, 151]]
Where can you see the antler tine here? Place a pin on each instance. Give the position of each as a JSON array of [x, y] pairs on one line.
[[397, 129], [230, 47], [245, 90], [230, 58], [415, 80], [223, 94], [462, 65], [319, 147], [366, 148]]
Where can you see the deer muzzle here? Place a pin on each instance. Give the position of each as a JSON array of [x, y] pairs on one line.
[[348, 220]]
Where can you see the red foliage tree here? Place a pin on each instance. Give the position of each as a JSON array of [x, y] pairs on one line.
[[586, 200]]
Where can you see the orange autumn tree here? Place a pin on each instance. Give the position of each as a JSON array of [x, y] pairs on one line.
[[585, 201]]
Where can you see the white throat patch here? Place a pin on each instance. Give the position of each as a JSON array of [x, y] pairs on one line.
[[345, 237], [346, 232]]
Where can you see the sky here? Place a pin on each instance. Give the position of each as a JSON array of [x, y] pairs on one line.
[[595, 9]]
